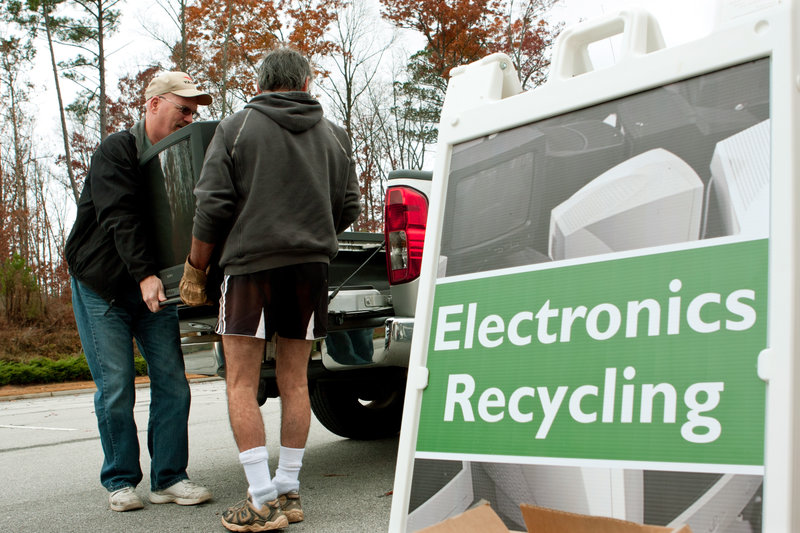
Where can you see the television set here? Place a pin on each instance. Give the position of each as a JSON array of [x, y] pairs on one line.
[[730, 100], [171, 168], [738, 194], [651, 199], [690, 117], [664, 118], [501, 191]]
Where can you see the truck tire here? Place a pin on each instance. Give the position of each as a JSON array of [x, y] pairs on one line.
[[358, 410]]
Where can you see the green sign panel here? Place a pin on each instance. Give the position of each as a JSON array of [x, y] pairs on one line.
[[648, 358]]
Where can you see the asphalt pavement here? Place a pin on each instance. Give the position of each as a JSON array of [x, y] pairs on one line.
[[50, 459]]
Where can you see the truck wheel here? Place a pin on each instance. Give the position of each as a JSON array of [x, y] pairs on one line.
[[353, 412]]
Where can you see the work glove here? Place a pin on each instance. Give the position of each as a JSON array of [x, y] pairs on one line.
[[193, 285]]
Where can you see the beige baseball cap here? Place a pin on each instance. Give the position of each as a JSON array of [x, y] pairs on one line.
[[178, 83]]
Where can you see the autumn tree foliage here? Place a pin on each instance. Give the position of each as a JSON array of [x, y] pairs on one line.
[[226, 40], [527, 38], [125, 110], [457, 32]]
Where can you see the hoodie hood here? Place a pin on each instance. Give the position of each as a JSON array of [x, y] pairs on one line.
[[295, 111]]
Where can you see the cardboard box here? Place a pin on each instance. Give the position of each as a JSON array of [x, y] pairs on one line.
[[479, 519], [483, 519]]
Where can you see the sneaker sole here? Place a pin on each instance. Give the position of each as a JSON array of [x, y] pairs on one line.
[[132, 506], [164, 498], [294, 516], [293, 513], [280, 523]]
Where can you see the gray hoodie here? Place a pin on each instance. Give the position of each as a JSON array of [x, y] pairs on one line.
[[278, 185]]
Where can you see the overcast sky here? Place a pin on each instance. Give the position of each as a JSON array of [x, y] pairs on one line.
[[132, 48], [680, 20]]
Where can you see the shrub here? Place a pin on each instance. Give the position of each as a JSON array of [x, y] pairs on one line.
[[44, 370]]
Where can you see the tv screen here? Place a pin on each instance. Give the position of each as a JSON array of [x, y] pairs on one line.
[[501, 189], [172, 167], [493, 201]]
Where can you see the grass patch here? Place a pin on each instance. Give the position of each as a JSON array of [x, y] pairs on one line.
[[45, 370]]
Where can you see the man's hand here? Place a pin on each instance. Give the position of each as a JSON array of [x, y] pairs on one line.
[[193, 285], [152, 292]]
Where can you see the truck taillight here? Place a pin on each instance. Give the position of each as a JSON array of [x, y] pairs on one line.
[[406, 216]]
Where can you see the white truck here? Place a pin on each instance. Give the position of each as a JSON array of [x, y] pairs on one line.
[[358, 379]]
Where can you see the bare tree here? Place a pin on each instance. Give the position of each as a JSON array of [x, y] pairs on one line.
[[14, 55], [528, 38], [176, 13], [356, 61], [402, 138], [354, 66], [36, 16], [25, 229], [5, 218]]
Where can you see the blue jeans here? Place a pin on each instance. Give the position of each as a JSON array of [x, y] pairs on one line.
[[350, 347], [107, 332]]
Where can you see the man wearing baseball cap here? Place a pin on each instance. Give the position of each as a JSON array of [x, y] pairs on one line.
[[174, 90], [116, 297]]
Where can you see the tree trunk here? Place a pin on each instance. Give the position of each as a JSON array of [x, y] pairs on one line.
[[184, 60], [20, 206], [101, 70], [64, 133], [225, 45], [5, 228]]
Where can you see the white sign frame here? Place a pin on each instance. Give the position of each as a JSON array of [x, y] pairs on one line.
[[484, 97]]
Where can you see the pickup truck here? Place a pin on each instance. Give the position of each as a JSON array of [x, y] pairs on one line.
[[357, 376]]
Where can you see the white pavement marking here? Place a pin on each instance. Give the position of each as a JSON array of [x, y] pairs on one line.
[[11, 426]]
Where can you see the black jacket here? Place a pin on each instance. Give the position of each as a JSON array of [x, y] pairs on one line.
[[109, 247]]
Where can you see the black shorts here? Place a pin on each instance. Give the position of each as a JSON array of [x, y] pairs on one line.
[[291, 301]]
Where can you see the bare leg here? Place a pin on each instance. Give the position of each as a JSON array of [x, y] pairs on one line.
[[243, 357], [291, 372]]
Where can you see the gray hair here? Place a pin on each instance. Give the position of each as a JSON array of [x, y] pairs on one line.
[[283, 69]]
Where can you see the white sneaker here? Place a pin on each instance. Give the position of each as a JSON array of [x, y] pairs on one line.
[[183, 492], [124, 499]]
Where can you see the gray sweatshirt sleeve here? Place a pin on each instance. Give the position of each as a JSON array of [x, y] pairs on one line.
[[214, 192], [351, 206]]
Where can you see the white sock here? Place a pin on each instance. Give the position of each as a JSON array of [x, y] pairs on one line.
[[289, 463], [256, 470]]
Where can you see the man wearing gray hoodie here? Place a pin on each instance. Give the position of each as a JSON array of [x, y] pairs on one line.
[[278, 185]]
